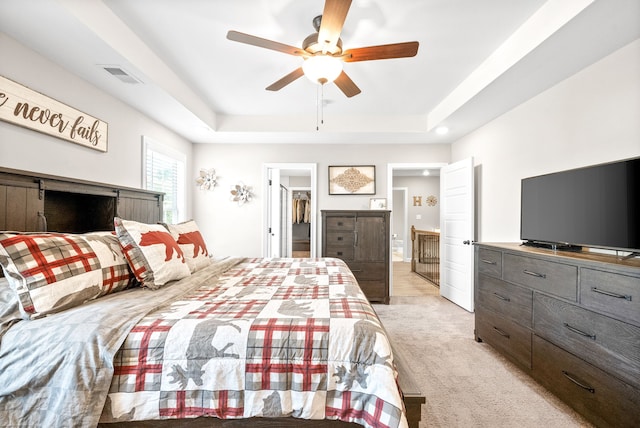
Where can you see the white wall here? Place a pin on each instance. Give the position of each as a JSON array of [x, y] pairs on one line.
[[421, 187], [29, 150], [591, 117], [238, 230]]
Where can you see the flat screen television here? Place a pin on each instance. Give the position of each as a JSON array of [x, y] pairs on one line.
[[596, 206]]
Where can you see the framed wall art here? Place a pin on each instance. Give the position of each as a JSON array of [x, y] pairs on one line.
[[352, 180]]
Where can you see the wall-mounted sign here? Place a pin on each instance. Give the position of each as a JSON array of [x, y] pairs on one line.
[[431, 200], [24, 107]]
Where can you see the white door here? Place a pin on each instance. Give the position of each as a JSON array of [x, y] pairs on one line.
[[457, 233], [274, 214]]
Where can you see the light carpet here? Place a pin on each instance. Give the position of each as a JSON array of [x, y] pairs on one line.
[[466, 384]]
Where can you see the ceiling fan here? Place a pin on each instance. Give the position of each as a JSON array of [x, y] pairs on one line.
[[322, 51]]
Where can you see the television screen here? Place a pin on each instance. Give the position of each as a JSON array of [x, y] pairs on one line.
[[596, 206]]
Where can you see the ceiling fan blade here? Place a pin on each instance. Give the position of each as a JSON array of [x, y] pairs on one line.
[[369, 53], [346, 85], [236, 36], [295, 74], [333, 16]]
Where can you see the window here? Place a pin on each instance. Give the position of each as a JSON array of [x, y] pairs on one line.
[[163, 170]]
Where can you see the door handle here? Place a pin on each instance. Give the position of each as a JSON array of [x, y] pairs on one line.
[[466, 242]]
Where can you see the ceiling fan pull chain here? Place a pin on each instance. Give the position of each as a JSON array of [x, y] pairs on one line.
[[317, 109], [322, 104]]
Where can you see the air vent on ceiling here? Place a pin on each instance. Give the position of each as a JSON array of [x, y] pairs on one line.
[[120, 74]]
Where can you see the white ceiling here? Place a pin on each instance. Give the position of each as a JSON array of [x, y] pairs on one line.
[[477, 59]]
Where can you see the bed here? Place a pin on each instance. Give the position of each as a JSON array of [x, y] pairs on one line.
[[152, 331]]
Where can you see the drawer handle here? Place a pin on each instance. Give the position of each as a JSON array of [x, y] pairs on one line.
[[356, 270], [339, 253], [489, 262], [506, 299], [577, 382], [340, 223], [536, 274], [611, 294], [580, 332], [501, 332], [339, 238]]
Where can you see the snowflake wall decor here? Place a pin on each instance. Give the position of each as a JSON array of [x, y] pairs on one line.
[[241, 194], [207, 179]]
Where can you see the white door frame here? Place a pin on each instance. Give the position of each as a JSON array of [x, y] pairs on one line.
[[312, 168], [390, 168]]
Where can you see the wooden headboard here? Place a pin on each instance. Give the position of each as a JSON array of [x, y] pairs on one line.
[[33, 202]]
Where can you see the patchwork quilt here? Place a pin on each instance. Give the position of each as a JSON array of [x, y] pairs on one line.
[[237, 339], [55, 371], [272, 338]]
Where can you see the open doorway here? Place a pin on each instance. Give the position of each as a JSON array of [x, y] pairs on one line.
[[289, 211], [400, 245], [414, 195]]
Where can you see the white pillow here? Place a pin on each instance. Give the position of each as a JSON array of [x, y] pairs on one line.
[[153, 254], [189, 238]]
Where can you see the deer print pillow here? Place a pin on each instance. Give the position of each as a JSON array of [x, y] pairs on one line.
[[188, 237], [51, 272], [153, 254]]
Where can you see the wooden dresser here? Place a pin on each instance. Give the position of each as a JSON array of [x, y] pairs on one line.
[[571, 320], [361, 239]]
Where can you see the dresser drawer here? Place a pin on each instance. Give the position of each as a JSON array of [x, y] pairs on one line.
[[340, 239], [505, 299], [340, 223], [344, 253], [616, 294], [376, 291], [554, 278], [604, 400], [507, 337], [368, 271], [490, 262], [612, 345]]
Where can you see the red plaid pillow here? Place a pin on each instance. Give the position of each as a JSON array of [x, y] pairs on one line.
[[154, 256], [191, 242], [51, 272]]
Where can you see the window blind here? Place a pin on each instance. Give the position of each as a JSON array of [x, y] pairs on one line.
[[164, 171]]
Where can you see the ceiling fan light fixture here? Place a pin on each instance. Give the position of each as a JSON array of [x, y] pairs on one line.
[[322, 69]]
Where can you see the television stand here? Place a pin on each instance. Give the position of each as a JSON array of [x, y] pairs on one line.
[[536, 308], [553, 246]]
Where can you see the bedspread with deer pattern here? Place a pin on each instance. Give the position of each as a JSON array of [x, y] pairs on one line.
[[269, 338]]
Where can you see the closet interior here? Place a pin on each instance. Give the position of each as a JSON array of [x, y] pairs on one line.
[[301, 223]]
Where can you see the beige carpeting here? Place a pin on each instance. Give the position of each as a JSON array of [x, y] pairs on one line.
[[466, 384]]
